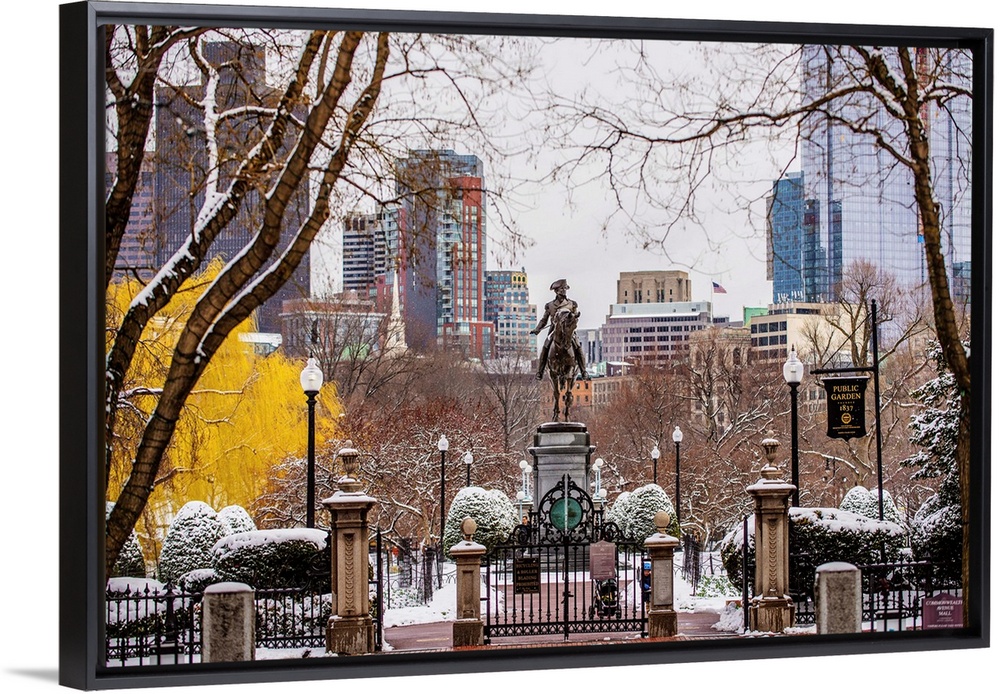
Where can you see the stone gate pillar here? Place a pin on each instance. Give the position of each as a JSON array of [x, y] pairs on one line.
[[468, 627], [662, 615], [350, 630], [771, 608]]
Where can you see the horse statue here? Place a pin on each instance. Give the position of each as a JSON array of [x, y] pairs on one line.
[[562, 362]]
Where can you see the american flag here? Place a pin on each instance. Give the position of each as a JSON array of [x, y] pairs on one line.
[[718, 288]]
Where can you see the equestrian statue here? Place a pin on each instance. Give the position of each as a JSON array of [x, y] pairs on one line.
[[561, 352]]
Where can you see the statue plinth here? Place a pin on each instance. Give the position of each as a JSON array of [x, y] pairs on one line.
[[560, 449]]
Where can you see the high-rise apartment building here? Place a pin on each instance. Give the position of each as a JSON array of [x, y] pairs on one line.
[[181, 166], [366, 255], [857, 201], [512, 314], [441, 249]]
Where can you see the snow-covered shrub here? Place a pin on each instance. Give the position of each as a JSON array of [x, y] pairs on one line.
[[817, 536], [633, 513], [130, 560], [864, 502], [197, 580], [282, 558], [715, 587], [858, 500], [235, 519], [493, 512], [820, 535], [189, 541], [937, 538]]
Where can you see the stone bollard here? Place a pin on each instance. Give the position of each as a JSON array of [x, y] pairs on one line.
[[662, 615], [227, 623], [468, 627], [771, 609], [350, 630], [838, 598]]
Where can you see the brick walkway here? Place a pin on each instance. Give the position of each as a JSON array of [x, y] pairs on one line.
[[437, 636]]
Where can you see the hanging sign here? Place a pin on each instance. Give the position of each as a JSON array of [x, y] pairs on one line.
[[845, 407]]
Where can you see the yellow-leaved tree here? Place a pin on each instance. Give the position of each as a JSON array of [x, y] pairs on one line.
[[245, 416]]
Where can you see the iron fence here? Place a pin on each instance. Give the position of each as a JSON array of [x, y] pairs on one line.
[[893, 594], [152, 625]]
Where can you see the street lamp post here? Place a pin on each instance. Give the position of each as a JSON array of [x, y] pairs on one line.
[[677, 436], [792, 371], [600, 493], [524, 496], [655, 455], [443, 447], [467, 458], [311, 380]]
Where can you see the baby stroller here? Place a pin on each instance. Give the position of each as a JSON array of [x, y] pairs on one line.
[[605, 603]]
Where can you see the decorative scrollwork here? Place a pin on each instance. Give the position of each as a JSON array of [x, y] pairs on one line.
[[566, 510]]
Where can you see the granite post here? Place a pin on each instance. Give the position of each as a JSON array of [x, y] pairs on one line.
[[662, 615], [771, 609], [468, 627], [227, 623], [838, 598], [350, 630]]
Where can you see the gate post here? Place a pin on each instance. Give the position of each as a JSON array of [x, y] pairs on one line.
[[771, 609], [838, 598], [468, 627], [662, 615], [227, 623], [350, 630]]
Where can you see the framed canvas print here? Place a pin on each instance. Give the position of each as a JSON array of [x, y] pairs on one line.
[[400, 342]]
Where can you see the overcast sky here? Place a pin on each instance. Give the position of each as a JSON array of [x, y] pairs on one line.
[[574, 226]]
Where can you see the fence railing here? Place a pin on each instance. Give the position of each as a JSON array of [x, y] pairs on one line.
[[893, 594], [152, 624]]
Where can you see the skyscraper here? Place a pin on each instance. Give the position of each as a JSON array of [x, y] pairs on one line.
[[181, 166], [857, 201], [441, 249]]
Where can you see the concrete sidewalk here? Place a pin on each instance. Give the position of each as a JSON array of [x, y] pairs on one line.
[[436, 636]]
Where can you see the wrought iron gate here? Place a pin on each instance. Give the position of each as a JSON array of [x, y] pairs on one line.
[[567, 571]]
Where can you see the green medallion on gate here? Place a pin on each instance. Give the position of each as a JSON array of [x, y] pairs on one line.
[[566, 513]]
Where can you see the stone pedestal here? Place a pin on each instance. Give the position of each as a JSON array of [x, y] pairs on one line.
[[838, 598], [771, 609], [560, 448], [350, 630], [468, 627], [661, 548], [227, 623]]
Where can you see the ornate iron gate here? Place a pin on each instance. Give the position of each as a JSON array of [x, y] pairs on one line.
[[567, 571]]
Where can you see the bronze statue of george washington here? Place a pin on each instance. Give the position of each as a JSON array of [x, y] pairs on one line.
[[561, 302]]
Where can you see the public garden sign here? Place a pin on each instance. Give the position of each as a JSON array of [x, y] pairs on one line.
[[845, 407]]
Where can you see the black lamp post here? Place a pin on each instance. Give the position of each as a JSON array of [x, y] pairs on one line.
[[311, 379], [678, 436], [655, 455], [792, 371], [443, 447], [467, 458]]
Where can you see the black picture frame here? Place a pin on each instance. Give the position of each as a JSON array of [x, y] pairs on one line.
[[82, 347]]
